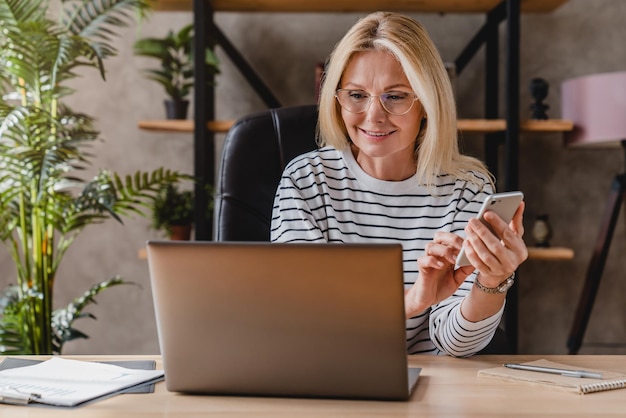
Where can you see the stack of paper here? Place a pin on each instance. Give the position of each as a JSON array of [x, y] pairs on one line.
[[64, 382]]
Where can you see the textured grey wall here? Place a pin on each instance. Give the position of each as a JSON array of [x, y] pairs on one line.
[[580, 38]]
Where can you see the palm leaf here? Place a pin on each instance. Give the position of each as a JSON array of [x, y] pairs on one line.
[[63, 319], [13, 338], [108, 195], [14, 11], [141, 189], [92, 20]]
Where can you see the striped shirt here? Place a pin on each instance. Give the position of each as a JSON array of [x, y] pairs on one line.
[[325, 196]]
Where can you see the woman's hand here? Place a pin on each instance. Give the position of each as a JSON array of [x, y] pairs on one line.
[[496, 257], [437, 278]]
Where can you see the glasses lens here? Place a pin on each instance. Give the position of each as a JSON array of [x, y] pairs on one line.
[[397, 102], [394, 102], [353, 100]]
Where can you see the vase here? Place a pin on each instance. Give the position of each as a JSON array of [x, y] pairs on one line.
[[180, 232], [176, 109]]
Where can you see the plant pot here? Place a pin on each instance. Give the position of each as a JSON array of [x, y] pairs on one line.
[[180, 232], [176, 109]]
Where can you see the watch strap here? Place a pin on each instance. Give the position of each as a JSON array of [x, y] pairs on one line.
[[501, 288]]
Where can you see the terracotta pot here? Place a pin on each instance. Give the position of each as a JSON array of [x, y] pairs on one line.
[[176, 109], [180, 232]]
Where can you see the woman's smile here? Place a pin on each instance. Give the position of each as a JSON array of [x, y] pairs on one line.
[[377, 135]]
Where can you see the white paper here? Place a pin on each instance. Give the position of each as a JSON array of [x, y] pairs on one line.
[[65, 382]]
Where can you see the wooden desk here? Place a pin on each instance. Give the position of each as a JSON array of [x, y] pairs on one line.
[[447, 387]]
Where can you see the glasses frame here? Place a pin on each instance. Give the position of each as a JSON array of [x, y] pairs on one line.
[[371, 97]]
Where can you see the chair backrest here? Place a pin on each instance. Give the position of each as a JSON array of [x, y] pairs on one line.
[[256, 150]]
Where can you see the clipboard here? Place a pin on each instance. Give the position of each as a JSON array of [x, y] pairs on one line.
[[16, 396]]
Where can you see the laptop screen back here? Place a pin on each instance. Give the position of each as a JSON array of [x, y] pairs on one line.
[[306, 320]]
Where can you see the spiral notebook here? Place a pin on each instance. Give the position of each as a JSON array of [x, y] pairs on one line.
[[609, 381]]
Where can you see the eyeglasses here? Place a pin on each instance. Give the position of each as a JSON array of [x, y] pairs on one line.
[[358, 101]]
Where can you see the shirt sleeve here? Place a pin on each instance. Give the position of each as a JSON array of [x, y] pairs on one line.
[[449, 331], [292, 218], [455, 335]]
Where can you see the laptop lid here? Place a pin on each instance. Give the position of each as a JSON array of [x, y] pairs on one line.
[[304, 320]]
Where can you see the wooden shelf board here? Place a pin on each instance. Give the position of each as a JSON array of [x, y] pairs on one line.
[[338, 6], [498, 125], [550, 253], [479, 126], [184, 125]]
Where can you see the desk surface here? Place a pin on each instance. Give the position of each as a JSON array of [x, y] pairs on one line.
[[447, 387]]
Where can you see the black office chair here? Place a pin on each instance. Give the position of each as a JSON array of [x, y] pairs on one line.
[[256, 150]]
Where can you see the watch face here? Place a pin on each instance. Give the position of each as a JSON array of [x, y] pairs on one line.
[[506, 285]]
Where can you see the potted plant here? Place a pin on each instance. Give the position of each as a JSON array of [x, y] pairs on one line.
[[173, 211], [175, 53], [44, 203]]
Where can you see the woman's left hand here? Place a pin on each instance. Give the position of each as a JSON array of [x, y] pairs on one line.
[[496, 257]]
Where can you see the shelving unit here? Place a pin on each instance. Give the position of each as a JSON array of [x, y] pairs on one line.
[[497, 131]]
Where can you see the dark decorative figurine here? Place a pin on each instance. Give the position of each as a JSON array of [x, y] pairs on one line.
[[539, 90]]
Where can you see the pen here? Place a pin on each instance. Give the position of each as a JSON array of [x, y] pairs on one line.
[[562, 372], [14, 396]]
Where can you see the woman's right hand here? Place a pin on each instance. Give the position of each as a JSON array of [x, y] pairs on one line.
[[437, 278]]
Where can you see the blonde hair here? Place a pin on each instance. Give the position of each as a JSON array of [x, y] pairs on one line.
[[437, 150]]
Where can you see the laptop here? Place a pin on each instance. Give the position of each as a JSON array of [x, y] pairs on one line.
[[287, 320]]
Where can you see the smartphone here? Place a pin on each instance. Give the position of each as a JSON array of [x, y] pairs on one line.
[[504, 205]]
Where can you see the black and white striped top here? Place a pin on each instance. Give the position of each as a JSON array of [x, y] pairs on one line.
[[325, 196]]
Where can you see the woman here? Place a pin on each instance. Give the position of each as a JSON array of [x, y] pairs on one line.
[[389, 170]]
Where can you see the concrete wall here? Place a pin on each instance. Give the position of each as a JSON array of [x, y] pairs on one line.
[[579, 38]]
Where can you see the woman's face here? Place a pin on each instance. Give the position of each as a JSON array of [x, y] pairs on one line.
[[384, 144]]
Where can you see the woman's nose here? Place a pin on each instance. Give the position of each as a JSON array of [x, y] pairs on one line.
[[375, 110]]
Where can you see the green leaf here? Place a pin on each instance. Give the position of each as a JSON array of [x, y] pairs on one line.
[[13, 339], [174, 53], [63, 319]]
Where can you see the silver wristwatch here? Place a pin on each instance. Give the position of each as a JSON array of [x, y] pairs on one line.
[[501, 288]]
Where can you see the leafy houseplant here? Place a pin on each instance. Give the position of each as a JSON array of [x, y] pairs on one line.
[[173, 211], [44, 204], [175, 53]]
